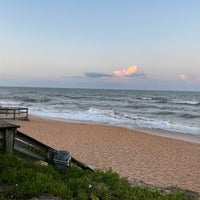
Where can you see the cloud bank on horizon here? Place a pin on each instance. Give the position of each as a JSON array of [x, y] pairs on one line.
[[117, 73]]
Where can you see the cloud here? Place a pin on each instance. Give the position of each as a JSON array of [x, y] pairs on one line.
[[140, 75], [130, 72], [126, 72], [97, 75], [74, 77], [189, 77], [183, 77]]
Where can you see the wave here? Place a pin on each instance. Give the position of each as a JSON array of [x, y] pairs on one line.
[[164, 100], [160, 100], [163, 110], [132, 120], [33, 100], [144, 98], [113, 114], [139, 106], [189, 116], [165, 113], [152, 98], [110, 113], [194, 103]]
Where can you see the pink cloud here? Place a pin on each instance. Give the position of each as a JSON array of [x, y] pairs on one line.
[[190, 77], [183, 77], [126, 72]]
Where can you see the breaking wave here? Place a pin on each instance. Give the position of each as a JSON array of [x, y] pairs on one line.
[[194, 103], [173, 111]]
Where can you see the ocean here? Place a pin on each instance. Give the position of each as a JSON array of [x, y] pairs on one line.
[[175, 111]]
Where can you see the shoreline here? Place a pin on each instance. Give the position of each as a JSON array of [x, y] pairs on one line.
[[187, 137], [135, 154]]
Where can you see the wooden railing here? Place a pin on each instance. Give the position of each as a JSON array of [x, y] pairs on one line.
[[13, 140], [29, 146], [13, 113]]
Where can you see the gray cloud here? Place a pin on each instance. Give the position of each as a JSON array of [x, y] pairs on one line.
[[139, 75], [104, 75], [75, 77], [97, 75]]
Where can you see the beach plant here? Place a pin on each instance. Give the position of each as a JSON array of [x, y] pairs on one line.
[[23, 178]]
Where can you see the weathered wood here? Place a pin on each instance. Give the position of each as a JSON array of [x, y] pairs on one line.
[[2, 139], [51, 154], [81, 164], [27, 114], [32, 141], [2, 143], [13, 113], [32, 148], [27, 142], [8, 131], [9, 140], [2, 134], [19, 147], [6, 125]]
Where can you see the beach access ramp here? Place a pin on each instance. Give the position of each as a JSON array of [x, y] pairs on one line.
[[12, 140]]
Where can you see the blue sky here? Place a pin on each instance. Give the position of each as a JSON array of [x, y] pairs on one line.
[[63, 43]]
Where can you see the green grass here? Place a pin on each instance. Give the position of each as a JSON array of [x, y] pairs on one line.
[[23, 178]]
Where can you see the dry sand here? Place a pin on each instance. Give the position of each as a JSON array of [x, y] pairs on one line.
[[134, 154]]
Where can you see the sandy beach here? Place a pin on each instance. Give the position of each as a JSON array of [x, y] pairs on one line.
[[152, 159]]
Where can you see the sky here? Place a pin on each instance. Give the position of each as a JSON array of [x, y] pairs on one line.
[[110, 44]]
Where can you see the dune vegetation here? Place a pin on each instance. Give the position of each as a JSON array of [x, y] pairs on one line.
[[24, 178]]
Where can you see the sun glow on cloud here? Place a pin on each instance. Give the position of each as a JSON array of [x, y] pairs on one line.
[[183, 77], [126, 72], [191, 77]]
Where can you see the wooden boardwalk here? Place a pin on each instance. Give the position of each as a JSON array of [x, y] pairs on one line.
[[14, 113]]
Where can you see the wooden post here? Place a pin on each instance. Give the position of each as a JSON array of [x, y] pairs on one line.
[[9, 130], [27, 114], [51, 154], [14, 113], [9, 136], [2, 140]]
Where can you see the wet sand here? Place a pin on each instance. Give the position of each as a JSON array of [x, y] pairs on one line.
[[139, 156]]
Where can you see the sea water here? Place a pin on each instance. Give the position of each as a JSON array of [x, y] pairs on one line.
[[175, 111]]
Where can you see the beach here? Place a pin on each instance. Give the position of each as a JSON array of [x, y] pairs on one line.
[[139, 156]]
